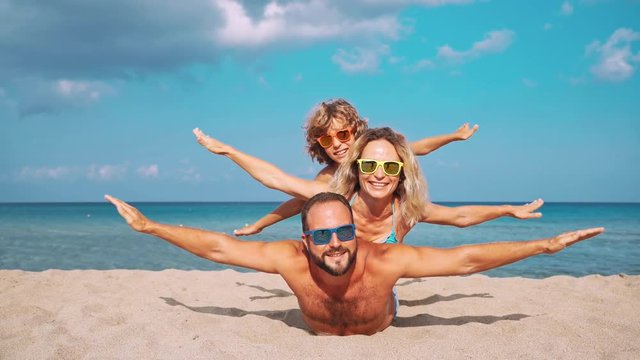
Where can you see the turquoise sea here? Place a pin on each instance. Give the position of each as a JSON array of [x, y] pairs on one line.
[[37, 237]]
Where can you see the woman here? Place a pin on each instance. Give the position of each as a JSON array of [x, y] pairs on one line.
[[382, 177], [330, 130]]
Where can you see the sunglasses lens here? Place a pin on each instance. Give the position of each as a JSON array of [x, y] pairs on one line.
[[325, 141], [346, 233], [391, 168], [368, 166], [321, 237], [343, 135]]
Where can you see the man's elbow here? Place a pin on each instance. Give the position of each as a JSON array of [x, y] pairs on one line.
[[214, 255], [469, 269], [466, 264]]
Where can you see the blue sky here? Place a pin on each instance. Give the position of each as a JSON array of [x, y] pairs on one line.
[[101, 97]]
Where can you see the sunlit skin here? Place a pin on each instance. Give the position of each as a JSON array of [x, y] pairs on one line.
[[379, 185], [372, 206], [360, 300], [336, 255], [337, 152], [372, 213]]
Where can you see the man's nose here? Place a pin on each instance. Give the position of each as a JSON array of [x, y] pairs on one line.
[[335, 242]]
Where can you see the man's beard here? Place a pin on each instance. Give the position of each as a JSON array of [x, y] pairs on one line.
[[335, 271]]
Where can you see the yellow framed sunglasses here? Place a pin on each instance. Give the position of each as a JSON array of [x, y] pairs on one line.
[[369, 166]]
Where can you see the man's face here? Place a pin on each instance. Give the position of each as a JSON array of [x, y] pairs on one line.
[[337, 256]]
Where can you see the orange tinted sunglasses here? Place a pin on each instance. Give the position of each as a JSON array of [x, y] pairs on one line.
[[326, 140]]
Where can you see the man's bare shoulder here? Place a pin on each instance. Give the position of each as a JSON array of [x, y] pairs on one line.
[[290, 254], [286, 247], [386, 260], [379, 257]]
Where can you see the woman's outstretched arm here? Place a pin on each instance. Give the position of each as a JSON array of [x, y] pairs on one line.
[[468, 215], [266, 173]]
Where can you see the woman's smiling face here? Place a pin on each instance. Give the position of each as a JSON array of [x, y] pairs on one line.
[[378, 184]]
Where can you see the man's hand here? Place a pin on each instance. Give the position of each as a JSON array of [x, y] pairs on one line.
[[248, 229], [134, 218], [464, 132], [569, 238], [211, 144], [527, 211]]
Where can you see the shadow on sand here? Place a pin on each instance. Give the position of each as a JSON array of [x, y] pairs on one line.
[[275, 293], [431, 320], [291, 317]]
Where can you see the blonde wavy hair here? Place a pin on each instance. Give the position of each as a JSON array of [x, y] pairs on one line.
[[412, 188], [320, 120]]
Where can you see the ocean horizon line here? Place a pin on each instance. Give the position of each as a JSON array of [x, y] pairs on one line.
[[478, 202]]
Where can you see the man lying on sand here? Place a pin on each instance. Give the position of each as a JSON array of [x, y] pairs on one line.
[[344, 287]]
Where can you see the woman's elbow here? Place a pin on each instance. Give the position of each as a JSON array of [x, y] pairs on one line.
[[462, 222]]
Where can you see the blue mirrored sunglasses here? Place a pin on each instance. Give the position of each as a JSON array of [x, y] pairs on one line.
[[323, 236]]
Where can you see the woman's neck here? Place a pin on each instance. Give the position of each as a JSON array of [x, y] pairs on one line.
[[373, 207]]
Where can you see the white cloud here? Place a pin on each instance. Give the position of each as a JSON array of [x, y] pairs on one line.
[[576, 81], [46, 172], [106, 172], [529, 83], [547, 26], [148, 171], [190, 174], [615, 58], [263, 81], [298, 21], [44, 96], [360, 60], [447, 164], [298, 77], [494, 42], [86, 90], [566, 8], [93, 172], [395, 59], [424, 64], [429, 3], [130, 44], [3, 93]]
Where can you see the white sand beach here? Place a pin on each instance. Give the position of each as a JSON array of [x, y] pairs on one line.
[[171, 314]]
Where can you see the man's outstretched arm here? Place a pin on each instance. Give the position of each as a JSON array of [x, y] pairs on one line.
[[468, 215], [433, 143], [469, 259], [214, 246]]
